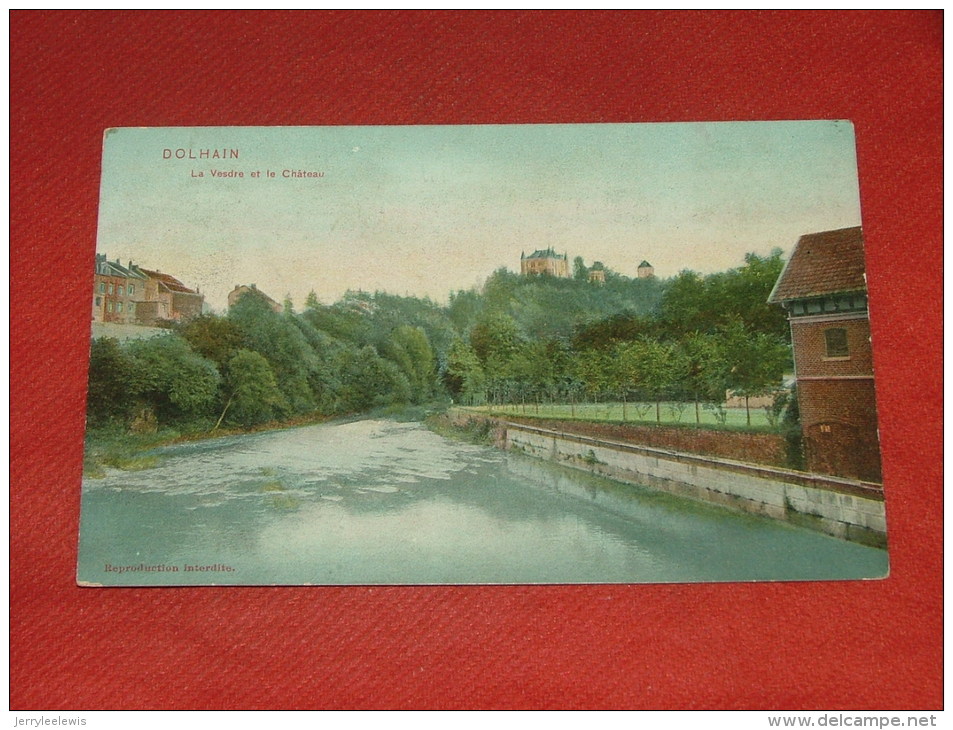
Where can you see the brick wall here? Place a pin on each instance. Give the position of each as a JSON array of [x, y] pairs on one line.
[[755, 448], [810, 348], [837, 400], [839, 420]]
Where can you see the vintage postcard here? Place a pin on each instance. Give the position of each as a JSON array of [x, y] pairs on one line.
[[609, 353]]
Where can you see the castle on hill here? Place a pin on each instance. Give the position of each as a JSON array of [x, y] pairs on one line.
[[547, 261]]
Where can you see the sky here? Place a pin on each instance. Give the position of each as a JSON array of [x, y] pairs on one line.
[[427, 210]]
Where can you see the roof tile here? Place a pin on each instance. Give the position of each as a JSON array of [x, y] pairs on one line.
[[823, 263]]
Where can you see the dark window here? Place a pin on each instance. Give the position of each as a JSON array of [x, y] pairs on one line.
[[836, 341]]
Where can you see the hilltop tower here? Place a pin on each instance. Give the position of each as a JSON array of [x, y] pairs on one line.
[[597, 273]]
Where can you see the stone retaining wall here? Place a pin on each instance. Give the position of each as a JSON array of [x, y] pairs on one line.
[[843, 508]]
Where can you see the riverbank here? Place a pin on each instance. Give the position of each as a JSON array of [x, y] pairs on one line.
[[116, 447]]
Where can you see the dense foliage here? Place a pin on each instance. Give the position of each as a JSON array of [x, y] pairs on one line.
[[687, 339]]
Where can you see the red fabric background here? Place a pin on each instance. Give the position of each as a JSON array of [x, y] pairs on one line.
[[860, 645]]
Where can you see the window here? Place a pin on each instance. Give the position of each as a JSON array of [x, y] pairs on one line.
[[836, 341], [110, 288], [118, 306], [132, 307], [99, 301], [102, 287], [132, 289], [119, 290], [109, 306]]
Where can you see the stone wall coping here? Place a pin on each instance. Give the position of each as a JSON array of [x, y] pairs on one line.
[[840, 485]]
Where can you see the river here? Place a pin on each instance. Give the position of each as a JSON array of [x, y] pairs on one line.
[[371, 502]]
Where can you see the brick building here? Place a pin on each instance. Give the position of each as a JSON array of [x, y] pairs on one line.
[[167, 298], [116, 291], [133, 295], [823, 289], [545, 261]]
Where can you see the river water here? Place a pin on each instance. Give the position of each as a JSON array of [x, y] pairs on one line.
[[384, 502]]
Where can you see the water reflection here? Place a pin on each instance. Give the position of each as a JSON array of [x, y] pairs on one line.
[[383, 502]]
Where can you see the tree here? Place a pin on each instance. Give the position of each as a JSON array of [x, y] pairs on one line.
[[464, 376], [692, 303], [622, 372], [748, 288], [591, 369], [606, 333], [216, 338], [579, 270], [111, 382], [464, 310], [686, 306], [253, 393], [409, 348], [277, 338], [172, 379], [705, 369], [495, 338], [756, 361], [653, 361]]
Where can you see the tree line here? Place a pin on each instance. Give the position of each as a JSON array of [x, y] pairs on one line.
[[684, 340], [687, 340], [256, 365]]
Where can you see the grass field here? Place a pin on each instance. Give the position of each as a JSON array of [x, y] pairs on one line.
[[670, 413]]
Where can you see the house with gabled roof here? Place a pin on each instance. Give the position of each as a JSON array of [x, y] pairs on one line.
[[823, 288], [166, 298], [242, 290]]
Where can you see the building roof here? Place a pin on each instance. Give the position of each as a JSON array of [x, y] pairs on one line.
[[105, 267], [548, 253], [241, 290], [645, 265], [169, 282], [829, 262]]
